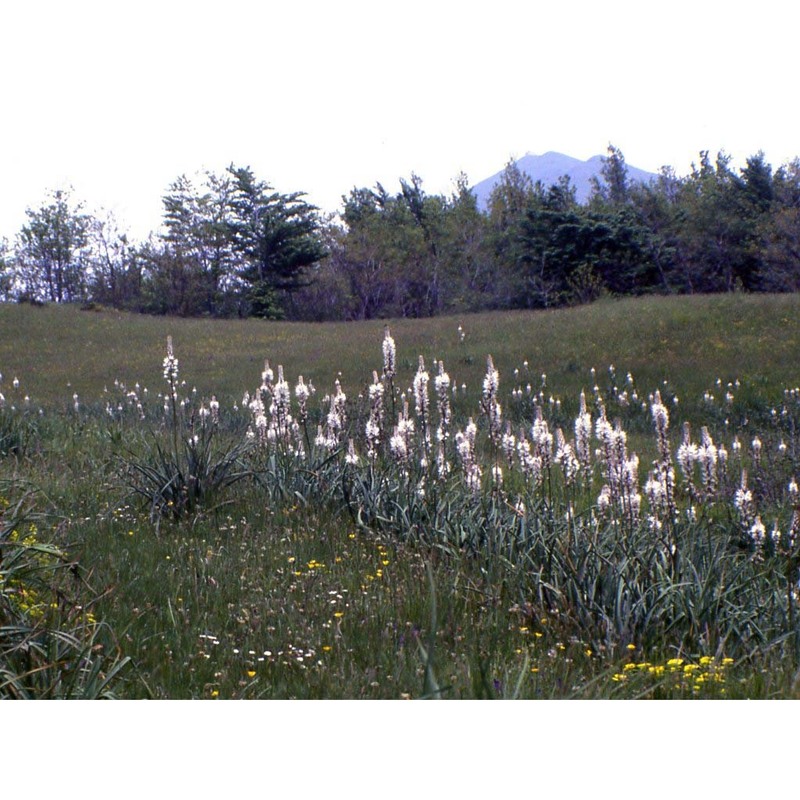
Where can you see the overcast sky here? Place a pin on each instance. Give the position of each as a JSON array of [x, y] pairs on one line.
[[116, 99]]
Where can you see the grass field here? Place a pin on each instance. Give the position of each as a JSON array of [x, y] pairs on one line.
[[688, 340], [151, 549]]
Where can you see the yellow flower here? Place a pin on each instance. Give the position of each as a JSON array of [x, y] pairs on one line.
[[706, 660], [215, 693], [338, 614], [251, 673], [631, 647]]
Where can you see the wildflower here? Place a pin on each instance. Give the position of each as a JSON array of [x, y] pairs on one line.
[[442, 464], [171, 368], [583, 434], [441, 385], [389, 355], [351, 458], [508, 442], [497, 475], [491, 406], [661, 422], [687, 455], [604, 499], [302, 393], [565, 456], [756, 446], [707, 457], [743, 501], [213, 407], [398, 446], [542, 439], [420, 386], [758, 532], [473, 479]]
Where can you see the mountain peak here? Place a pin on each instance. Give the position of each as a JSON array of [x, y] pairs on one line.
[[551, 166]]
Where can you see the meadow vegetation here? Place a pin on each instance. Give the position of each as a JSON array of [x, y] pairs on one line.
[[584, 503]]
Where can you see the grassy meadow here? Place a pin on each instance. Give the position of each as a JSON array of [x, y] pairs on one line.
[[165, 536]]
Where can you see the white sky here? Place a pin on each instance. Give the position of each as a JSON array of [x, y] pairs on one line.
[[116, 99]]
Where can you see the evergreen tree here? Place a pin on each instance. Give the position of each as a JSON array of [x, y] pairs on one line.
[[278, 239]]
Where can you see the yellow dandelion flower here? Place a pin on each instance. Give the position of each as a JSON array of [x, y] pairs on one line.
[[631, 647], [338, 614], [215, 693], [251, 673], [326, 648], [706, 660]]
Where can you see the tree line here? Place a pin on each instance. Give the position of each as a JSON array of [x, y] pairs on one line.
[[231, 245]]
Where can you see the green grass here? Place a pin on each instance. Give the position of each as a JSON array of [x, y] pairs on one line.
[[690, 341], [301, 581]]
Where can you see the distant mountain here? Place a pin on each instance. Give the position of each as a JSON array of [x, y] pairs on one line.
[[548, 168]]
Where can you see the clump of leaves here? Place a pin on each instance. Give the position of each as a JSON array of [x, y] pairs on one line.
[[187, 473]]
